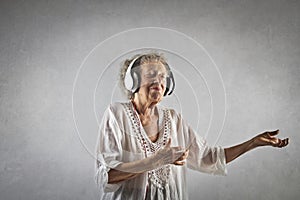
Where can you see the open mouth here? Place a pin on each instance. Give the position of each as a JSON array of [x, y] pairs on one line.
[[155, 88]]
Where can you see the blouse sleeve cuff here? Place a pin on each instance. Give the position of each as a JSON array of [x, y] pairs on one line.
[[221, 168], [101, 179]]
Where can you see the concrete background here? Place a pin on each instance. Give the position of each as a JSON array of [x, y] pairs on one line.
[[42, 44]]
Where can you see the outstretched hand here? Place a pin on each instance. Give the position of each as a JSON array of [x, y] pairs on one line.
[[269, 138]]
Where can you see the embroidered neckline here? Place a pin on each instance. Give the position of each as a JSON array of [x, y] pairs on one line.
[[160, 176]]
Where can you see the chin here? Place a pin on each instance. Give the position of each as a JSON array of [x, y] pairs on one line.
[[156, 99]]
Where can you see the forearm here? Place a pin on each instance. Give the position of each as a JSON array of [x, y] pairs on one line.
[[167, 155], [233, 152], [115, 176], [126, 171]]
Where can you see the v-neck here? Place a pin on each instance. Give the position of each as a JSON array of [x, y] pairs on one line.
[[160, 124]]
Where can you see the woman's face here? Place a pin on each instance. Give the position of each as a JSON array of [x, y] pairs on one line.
[[153, 81]]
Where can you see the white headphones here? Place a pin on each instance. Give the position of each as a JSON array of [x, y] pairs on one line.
[[132, 79]]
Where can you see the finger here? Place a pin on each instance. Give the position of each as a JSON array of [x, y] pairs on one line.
[[177, 152], [185, 155], [280, 143], [187, 151], [179, 163], [169, 143], [284, 143], [181, 158]]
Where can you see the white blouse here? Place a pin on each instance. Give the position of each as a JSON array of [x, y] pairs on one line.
[[122, 139]]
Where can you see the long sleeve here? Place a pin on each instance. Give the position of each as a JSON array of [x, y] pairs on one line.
[[108, 151], [205, 158], [202, 157]]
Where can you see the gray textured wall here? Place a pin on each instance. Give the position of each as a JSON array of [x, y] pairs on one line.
[[255, 44]]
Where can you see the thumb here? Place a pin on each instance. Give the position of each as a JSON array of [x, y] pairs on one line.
[[168, 144], [273, 133]]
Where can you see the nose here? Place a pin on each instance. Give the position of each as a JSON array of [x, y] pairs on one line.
[[158, 79]]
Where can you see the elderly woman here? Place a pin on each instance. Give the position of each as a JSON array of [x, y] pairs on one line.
[[144, 149]]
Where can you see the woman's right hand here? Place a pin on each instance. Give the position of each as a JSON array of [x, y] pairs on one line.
[[171, 155], [181, 160]]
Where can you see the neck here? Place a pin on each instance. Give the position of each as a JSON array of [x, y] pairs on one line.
[[143, 107]]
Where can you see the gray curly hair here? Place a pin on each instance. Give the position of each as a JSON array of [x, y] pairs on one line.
[[144, 58]]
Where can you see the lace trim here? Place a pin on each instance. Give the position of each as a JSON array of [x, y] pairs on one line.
[[160, 176]]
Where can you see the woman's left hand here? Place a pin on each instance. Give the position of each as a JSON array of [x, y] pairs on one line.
[[269, 138]]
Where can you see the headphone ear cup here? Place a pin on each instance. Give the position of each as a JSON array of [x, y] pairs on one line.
[[171, 84], [128, 81], [135, 82], [167, 87]]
